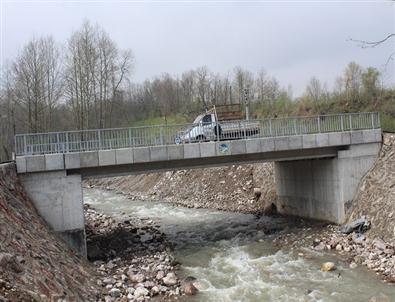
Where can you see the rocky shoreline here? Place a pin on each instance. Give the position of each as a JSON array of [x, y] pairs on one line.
[[133, 259], [355, 249]]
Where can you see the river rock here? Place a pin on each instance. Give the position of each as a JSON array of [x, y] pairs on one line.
[[188, 287], [170, 279], [328, 266], [140, 292], [136, 278], [115, 292], [160, 275], [155, 290]]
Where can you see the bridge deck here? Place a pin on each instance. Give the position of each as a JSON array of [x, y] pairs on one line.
[[167, 135]]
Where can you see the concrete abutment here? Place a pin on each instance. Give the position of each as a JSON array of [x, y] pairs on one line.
[[323, 188], [58, 199]]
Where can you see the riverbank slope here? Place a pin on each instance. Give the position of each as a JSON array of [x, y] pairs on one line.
[[35, 265]]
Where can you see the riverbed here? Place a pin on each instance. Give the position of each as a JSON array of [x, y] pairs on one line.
[[235, 259]]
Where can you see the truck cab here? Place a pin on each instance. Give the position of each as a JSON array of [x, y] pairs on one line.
[[203, 129]]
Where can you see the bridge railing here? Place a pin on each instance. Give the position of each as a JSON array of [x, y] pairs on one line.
[[106, 139]]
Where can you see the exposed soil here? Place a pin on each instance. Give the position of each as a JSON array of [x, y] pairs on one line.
[[35, 265]]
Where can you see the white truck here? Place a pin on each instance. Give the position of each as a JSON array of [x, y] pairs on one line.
[[215, 126]]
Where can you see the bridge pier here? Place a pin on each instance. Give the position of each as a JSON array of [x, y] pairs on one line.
[[58, 199], [323, 188]]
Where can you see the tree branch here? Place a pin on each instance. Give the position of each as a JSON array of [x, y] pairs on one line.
[[372, 44]]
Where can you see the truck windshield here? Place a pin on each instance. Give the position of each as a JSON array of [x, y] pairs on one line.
[[207, 119]]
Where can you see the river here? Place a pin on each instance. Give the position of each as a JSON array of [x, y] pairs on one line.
[[234, 258]]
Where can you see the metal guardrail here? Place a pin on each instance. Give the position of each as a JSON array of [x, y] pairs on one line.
[[105, 139]]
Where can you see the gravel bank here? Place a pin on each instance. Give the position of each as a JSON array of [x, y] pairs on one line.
[[133, 259]]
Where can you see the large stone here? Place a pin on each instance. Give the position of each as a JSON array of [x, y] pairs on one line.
[[328, 266], [170, 279], [140, 292]]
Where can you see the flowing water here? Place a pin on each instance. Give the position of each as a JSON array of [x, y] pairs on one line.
[[234, 260]]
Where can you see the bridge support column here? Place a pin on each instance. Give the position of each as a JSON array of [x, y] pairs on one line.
[[323, 188], [58, 199]]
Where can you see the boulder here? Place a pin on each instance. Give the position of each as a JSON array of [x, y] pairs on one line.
[[188, 287], [170, 279], [328, 266]]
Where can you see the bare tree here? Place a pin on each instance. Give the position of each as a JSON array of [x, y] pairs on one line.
[[38, 83], [203, 85], [96, 70], [314, 90]]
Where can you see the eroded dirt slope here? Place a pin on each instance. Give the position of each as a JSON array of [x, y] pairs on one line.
[[34, 264], [376, 195]]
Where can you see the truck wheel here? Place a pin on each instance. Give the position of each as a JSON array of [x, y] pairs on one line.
[[201, 138], [219, 129]]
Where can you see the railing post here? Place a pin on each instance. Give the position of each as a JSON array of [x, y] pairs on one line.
[[372, 115], [270, 127], [57, 142], [319, 124], [296, 132], [67, 142], [161, 135], [99, 137], [24, 145], [350, 119], [342, 122], [130, 137]]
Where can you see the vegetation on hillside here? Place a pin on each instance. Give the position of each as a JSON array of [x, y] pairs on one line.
[[86, 83]]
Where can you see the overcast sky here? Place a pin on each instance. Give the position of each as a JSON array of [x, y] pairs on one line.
[[290, 40]]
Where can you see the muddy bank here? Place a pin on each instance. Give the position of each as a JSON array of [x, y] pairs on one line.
[[35, 265]]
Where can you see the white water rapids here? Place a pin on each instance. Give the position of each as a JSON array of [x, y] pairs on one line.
[[234, 260]]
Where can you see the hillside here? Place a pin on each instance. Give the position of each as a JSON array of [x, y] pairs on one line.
[[376, 195], [34, 264]]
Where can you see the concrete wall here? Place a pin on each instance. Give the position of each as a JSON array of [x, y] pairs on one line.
[[58, 199], [322, 188]]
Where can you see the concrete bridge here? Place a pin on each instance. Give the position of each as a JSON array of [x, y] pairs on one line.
[[319, 162]]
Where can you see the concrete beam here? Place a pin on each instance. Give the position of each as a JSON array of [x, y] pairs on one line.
[[141, 154], [207, 149], [54, 162], [253, 145], [35, 163], [124, 156], [175, 152], [158, 153], [107, 157], [89, 159], [21, 164], [191, 151]]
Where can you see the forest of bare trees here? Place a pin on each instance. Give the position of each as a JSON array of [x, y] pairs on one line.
[[87, 83]]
